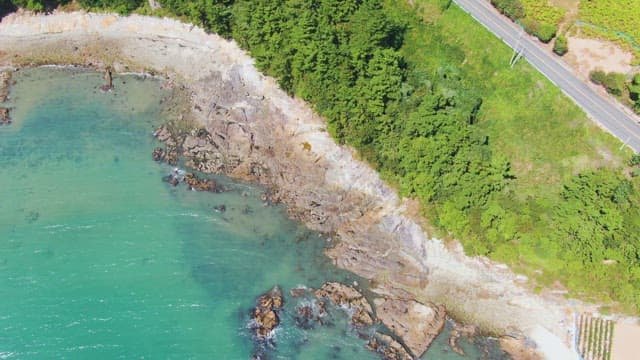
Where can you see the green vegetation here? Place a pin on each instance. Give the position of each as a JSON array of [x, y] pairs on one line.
[[617, 15], [560, 45], [497, 156], [595, 337], [511, 8], [214, 15], [536, 16], [120, 6], [627, 91]]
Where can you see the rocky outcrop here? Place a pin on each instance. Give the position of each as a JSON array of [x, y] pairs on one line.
[[265, 315], [519, 348], [108, 80], [199, 184], [5, 116], [415, 323], [388, 348], [349, 298], [5, 84]]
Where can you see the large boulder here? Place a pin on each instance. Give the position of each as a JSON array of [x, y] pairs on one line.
[[417, 324], [519, 348], [265, 314], [347, 296], [5, 118]]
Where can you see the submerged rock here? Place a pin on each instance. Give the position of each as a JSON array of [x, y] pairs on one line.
[[170, 156], [5, 83], [5, 117], [389, 348], [417, 324], [158, 154], [310, 314], [467, 331], [347, 296], [298, 291], [265, 314], [197, 184]]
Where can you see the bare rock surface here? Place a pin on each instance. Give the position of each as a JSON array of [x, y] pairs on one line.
[[388, 348], [519, 348], [415, 323], [350, 298]]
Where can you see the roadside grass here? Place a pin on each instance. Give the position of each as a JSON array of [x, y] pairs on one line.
[[543, 11]]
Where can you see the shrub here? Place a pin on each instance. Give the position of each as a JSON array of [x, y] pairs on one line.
[[598, 77], [615, 83], [511, 8], [560, 46], [543, 31], [546, 32]]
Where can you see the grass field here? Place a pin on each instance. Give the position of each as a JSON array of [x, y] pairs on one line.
[[616, 15], [543, 11]]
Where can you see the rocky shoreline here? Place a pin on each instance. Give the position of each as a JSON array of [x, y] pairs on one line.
[[414, 325], [238, 122]]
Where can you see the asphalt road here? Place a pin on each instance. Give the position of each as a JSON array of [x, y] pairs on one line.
[[603, 111]]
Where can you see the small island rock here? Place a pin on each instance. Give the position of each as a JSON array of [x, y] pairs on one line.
[[265, 314]]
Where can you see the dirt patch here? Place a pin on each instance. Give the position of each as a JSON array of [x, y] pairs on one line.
[[571, 6], [586, 55], [625, 341]]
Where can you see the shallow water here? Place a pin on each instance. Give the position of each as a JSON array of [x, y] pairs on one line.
[[100, 259]]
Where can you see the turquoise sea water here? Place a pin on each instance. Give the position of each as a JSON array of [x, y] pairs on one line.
[[100, 259]]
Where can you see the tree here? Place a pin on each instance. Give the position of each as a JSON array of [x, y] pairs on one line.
[[120, 6], [6, 7], [213, 15]]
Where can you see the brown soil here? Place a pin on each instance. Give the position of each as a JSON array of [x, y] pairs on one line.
[[586, 55]]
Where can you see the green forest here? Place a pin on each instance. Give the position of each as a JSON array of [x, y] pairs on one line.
[[498, 158]]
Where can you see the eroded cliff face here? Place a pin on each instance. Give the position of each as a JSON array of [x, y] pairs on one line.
[[248, 128]]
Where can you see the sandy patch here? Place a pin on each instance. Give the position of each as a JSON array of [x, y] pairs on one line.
[[586, 55], [625, 341]]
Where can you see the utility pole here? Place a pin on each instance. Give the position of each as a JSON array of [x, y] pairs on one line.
[[518, 51]]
